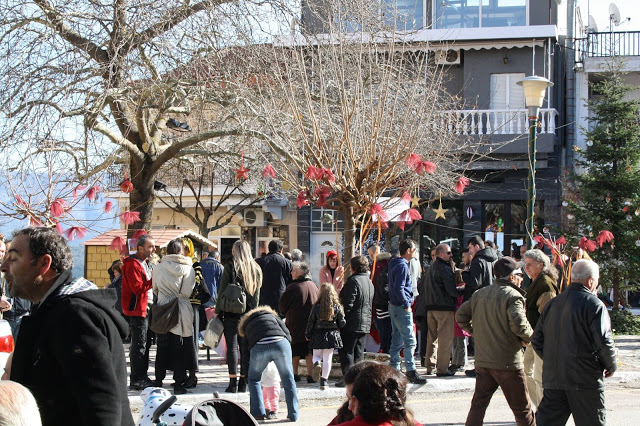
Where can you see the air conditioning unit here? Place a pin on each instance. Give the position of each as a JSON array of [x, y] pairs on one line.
[[447, 57], [253, 218]]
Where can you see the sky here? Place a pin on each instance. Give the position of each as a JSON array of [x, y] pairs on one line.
[[599, 9]]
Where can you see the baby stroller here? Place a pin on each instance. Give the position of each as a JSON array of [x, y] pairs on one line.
[[160, 403]]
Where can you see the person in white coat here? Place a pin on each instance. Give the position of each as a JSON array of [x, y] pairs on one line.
[[174, 277]]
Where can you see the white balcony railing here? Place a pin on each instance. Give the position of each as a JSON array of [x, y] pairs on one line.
[[494, 121]]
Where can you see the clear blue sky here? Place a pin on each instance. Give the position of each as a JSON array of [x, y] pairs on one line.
[[599, 9]]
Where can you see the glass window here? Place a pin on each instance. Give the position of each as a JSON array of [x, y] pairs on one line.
[[405, 14], [479, 13], [325, 220]]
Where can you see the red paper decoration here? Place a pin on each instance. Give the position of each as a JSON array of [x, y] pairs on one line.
[[126, 186], [76, 189], [587, 244], [74, 231], [58, 207], [462, 183], [303, 198], [379, 211], [138, 234], [268, 171], [120, 244], [130, 217], [92, 192], [604, 237], [108, 206]]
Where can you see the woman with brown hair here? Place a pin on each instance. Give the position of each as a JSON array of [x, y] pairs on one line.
[[332, 272], [243, 270]]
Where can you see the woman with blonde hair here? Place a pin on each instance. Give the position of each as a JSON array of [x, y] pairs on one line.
[[327, 317], [244, 271]]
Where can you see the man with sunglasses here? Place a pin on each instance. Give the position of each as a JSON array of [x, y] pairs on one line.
[[441, 299]]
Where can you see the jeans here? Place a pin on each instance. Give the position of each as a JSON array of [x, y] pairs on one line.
[[402, 332], [586, 406], [280, 354], [352, 349], [138, 353], [384, 329], [514, 388]]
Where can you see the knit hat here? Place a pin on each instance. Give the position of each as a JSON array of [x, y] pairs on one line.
[[505, 266], [331, 253]]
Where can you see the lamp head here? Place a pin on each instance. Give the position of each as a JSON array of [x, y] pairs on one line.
[[534, 88]]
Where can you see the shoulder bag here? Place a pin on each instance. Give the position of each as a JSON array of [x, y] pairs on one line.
[[165, 317]]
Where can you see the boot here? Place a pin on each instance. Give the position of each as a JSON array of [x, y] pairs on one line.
[[233, 385], [242, 384]]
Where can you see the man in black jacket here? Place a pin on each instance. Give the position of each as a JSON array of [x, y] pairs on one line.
[[481, 268], [573, 337], [276, 274], [69, 352], [442, 299]]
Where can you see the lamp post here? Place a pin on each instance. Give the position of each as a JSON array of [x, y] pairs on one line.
[[534, 88]]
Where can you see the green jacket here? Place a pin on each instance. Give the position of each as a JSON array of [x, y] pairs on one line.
[[535, 302], [495, 317]]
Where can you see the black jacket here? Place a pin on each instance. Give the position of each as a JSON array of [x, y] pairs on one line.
[[261, 322], [480, 271], [442, 294], [357, 299], [276, 274], [315, 323], [573, 337], [69, 354], [296, 303]]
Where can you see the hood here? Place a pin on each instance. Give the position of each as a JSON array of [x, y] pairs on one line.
[[174, 264], [397, 263], [260, 309], [383, 257], [487, 254]]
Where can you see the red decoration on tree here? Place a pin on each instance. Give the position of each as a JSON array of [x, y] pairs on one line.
[[322, 192], [381, 215], [126, 186], [314, 173], [108, 206], [268, 171], [303, 198], [625, 209], [58, 207], [120, 244], [76, 189], [413, 160], [406, 196], [241, 173], [138, 234], [425, 166], [130, 217], [92, 192], [21, 202], [604, 237], [561, 240], [408, 216], [587, 244], [59, 228], [34, 222], [328, 176], [74, 231], [462, 183]]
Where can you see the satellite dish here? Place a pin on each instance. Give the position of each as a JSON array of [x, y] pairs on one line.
[[614, 14], [593, 27]]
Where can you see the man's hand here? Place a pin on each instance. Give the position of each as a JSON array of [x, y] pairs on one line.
[[5, 305], [608, 373]]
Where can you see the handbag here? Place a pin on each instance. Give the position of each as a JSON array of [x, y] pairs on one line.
[[234, 297], [213, 332], [165, 317]]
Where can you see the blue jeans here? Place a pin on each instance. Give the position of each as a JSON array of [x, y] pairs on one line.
[[384, 329], [402, 333], [280, 354]]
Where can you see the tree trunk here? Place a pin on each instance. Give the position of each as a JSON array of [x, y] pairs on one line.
[[142, 197], [349, 232]]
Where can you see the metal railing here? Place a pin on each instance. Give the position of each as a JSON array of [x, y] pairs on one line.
[[602, 45], [494, 121]]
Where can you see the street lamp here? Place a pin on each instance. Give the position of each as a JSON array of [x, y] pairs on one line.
[[534, 88]]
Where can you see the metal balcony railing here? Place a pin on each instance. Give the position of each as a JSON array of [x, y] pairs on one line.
[[603, 45], [494, 121]]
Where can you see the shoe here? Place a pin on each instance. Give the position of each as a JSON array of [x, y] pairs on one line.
[[323, 383], [157, 383], [429, 373], [310, 379], [470, 373], [233, 386], [447, 374], [296, 378], [271, 415], [415, 378], [456, 368], [340, 384], [191, 382], [242, 385], [317, 370], [179, 390], [141, 384]]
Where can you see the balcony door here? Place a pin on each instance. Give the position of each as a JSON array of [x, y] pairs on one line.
[[506, 98]]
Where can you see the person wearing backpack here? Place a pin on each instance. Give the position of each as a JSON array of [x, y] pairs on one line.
[[239, 292]]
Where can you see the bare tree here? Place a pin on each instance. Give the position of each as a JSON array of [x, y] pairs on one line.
[[361, 116], [90, 87]]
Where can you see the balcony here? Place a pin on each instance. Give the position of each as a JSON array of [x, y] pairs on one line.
[[495, 122], [600, 51]]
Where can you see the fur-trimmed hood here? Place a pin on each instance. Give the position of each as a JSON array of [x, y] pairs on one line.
[[246, 316], [383, 256]]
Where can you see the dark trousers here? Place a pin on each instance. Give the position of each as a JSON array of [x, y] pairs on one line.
[[514, 388], [138, 353], [352, 349], [174, 353], [586, 406], [422, 329], [235, 343], [384, 330]]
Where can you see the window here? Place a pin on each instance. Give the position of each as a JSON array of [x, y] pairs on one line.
[[505, 93], [404, 14], [325, 220], [479, 13]]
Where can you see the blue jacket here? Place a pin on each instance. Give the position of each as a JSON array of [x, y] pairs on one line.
[[212, 274], [400, 293]]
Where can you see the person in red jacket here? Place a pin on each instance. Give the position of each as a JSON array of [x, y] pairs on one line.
[[136, 282]]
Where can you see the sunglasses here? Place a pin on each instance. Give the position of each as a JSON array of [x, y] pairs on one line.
[[449, 253]]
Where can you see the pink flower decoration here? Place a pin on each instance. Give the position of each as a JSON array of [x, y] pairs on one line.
[[328, 175], [587, 244], [604, 237], [303, 198], [74, 231], [408, 216], [34, 222], [92, 192], [414, 160], [379, 212], [406, 196], [119, 243], [108, 206], [462, 183], [268, 172], [130, 217], [21, 202], [561, 240], [426, 166], [313, 173], [76, 189], [138, 234], [58, 207]]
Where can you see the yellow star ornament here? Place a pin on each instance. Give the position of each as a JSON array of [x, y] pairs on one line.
[[440, 211], [415, 201]]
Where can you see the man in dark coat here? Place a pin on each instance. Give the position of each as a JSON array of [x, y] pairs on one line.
[[276, 274], [212, 274], [295, 304], [481, 268], [357, 299], [69, 352], [573, 337]]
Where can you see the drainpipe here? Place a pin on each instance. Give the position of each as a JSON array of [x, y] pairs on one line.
[[570, 87]]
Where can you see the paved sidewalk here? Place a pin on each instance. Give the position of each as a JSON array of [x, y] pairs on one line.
[[213, 377]]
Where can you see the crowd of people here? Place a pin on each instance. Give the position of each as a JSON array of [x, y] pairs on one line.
[[546, 350]]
